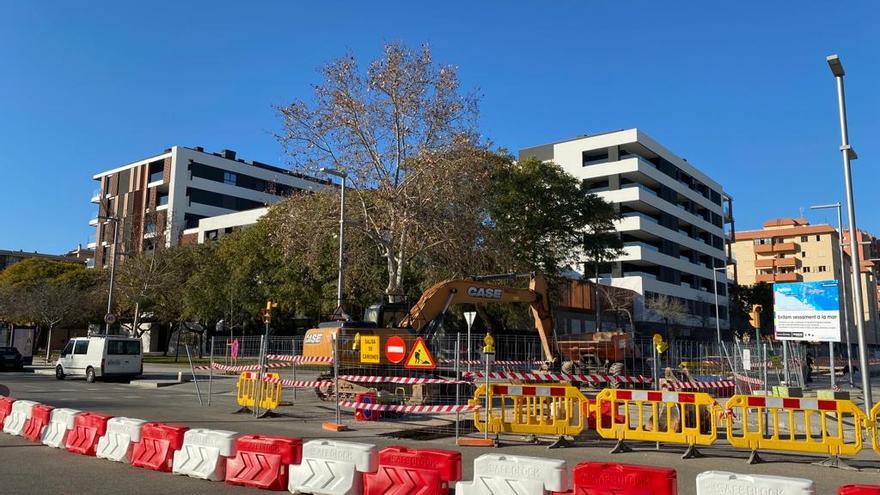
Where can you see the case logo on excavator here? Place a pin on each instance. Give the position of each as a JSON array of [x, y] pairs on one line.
[[485, 292], [312, 338]]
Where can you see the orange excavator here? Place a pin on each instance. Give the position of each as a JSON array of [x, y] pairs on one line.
[[424, 319]]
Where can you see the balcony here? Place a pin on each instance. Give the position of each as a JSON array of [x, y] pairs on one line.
[[778, 277], [156, 178], [96, 196], [93, 222], [776, 263], [782, 247]]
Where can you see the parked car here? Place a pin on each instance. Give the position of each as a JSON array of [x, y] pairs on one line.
[[10, 358], [101, 357]]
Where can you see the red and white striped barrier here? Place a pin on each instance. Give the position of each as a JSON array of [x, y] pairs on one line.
[[528, 390], [297, 383], [555, 377], [748, 379], [791, 403], [721, 387], [653, 396], [495, 363], [300, 359], [447, 409]]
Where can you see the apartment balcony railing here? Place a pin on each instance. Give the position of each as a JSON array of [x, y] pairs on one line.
[[778, 277], [781, 247], [776, 263], [157, 176], [96, 196]]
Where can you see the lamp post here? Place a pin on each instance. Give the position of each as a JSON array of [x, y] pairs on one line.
[[107, 317], [846, 300], [721, 348], [849, 154], [342, 175]]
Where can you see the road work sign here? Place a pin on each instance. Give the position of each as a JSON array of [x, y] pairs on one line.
[[419, 357], [370, 349]]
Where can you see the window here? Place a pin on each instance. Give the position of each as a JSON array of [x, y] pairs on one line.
[[81, 347], [67, 349], [124, 347], [595, 156], [229, 178], [821, 268], [803, 254], [806, 269], [211, 235], [803, 238], [818, 237]]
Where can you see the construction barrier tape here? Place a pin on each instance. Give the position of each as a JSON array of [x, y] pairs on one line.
[[557, 377], [409, 409], [497, 363], [300, 359], [699, 385], [748, 379]]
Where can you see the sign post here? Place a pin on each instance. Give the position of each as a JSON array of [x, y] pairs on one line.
[[489, 356], [469, 317], [807, 311]]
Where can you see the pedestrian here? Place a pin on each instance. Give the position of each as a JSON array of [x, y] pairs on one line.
[[809, 368]]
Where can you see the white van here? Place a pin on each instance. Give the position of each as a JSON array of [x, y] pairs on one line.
[[106, 356]]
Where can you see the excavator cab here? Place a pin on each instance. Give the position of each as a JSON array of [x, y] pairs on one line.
[[386, 315]]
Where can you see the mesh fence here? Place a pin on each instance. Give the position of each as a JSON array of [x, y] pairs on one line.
[[396, 401]]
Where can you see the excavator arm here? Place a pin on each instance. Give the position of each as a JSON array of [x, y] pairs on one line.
[[435, 301]]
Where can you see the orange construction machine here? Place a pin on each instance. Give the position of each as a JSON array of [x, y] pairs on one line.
[[423, 321]]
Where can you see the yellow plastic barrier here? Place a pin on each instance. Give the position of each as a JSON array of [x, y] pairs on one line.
[[246, 390], [686, 418], [271, 393], [552, 410], [832, 427], [872, 425]]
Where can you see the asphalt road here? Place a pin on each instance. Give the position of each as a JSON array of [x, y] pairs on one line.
[[28, 468]]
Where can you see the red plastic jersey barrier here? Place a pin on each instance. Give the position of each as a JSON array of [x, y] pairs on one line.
[[405, 471], [157, 446], [33, 427], [605, 478], [5, 409], [87, 429], [859, 490], [261, 461]]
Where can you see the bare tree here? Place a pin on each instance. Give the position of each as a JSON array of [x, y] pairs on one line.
[[406, 137], [618, 301], [50, 304], [667, 308]]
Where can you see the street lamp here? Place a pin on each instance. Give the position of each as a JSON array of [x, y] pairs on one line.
[[843, 285], [342, 175], [108, 318], [849, 154], [721, 347]]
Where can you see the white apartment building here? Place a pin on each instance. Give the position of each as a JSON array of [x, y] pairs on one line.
[[671, 226], [165, 196]]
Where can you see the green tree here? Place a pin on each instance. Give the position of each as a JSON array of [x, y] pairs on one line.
[[545, 218], [49, 293]]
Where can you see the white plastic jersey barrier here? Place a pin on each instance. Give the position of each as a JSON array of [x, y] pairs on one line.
[[204, 454], [60, 422], [21, 412], [117, 443], [722, 483], [332, 468], [498, 474]]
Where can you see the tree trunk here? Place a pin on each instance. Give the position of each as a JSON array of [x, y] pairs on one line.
[[135, 326], [49, 343]]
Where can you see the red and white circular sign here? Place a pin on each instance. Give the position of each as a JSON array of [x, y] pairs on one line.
[[395, 349]]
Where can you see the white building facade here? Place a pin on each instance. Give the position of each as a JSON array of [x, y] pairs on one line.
[[672, 223]]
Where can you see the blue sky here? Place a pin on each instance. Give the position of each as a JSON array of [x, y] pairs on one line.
[[740, 89]]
